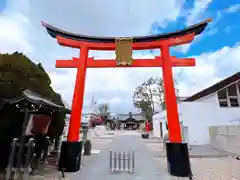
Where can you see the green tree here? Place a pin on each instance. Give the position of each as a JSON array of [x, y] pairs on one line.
[[17, 73], [149, 96]]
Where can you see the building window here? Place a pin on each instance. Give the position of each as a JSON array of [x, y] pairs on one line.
[[223, 103], [222, 98], [233, 102], [230, 96]]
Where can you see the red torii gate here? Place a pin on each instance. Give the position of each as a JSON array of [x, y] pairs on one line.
[[86, 43], [166, 61]]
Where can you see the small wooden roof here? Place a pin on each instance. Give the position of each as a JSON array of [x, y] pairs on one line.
[[34, 98]]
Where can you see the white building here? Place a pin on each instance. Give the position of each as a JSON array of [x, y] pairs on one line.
[[214, 106]]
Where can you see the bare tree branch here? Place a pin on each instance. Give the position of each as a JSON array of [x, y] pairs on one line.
[[103, 111], [149, 96]]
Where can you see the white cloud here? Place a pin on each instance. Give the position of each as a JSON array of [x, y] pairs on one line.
[[105, 18], [198, 12], [228, 29], [183, 48], [210, 68], [232, 9], [12, 34], [186, 47], [116, 85]]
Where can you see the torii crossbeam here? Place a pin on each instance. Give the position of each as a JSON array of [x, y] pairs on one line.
[[121, 45]]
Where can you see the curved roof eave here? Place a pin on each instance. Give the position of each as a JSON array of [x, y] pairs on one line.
[[197, 29]]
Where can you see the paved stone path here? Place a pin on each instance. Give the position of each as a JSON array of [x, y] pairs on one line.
[[214, 165], [145, 165], [51, 172]]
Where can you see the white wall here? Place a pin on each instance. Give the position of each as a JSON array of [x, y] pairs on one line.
[[226, 138], [211, 98], [161, 117], [201, 114], [157, 118], [156, 129]]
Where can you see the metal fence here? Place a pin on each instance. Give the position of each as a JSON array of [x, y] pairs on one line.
[[21, 169], [12, 170], [122, 162]]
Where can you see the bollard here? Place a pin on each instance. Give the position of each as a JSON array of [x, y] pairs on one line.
[[119, 161], [111, 159], [133, 162], [124, 162], [115, 161], [128, 160], [11, 158]]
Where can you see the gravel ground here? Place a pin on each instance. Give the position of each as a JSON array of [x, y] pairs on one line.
[[51, 173], [99, 142], [209, 168], [222, 168]]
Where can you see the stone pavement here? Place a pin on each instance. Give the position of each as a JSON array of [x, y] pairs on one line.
[[206, 163], [195, 151], [51, 172], [145, 166], [148, 165]]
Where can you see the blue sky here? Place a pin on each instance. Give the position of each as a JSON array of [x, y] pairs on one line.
[[223, 31], [216, 50], [2, 5]]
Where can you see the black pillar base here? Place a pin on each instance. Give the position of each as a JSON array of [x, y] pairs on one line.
[[87, 148], [178, 159], [70, 157]]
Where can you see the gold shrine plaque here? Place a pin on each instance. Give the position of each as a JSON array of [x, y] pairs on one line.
[[123, 51]]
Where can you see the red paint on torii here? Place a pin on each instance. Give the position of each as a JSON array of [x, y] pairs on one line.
[[165, 61], [135, 46], [111, 63]]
